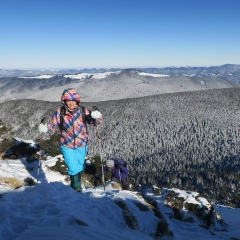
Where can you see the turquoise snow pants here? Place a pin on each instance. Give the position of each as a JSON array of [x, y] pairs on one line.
[[75, 159]]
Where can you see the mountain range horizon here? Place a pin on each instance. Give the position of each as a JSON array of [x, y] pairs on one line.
[[113, 84], [5, 72]]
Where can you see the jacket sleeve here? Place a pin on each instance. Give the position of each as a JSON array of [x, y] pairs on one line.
[[90, 120], [54, 122]]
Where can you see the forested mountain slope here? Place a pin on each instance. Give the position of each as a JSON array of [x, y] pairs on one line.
[[188, 140]]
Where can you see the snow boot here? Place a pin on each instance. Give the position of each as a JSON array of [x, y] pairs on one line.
[[76, 182]]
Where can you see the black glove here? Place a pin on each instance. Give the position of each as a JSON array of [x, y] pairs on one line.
[[44, 120], [94, 108]]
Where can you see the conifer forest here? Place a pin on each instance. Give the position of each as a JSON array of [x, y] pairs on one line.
[[188, 140]]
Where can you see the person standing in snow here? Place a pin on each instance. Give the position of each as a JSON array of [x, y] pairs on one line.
[[119, 173], [71, 119]]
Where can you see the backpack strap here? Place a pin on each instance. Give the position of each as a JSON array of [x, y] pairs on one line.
[[84, 115], [62, 114], [120, 161]]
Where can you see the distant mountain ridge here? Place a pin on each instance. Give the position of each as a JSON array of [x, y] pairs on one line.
[[226, 71], [229, 72], [30, 73], [97, 85]]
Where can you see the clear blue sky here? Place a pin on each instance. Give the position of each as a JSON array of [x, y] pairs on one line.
[[118, 33]]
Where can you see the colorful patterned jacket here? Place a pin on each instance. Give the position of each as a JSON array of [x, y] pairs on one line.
[[74, 133]]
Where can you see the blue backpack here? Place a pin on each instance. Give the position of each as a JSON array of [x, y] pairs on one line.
[[120, 161]]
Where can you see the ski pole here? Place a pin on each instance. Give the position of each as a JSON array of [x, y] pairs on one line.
[[100, 150], [120, 179], [120, 175], [43, 121], [39, 159]]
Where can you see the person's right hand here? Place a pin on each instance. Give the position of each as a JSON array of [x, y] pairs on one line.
[[42, 128]]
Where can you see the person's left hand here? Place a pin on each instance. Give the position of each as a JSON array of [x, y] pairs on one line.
[[96, 115]]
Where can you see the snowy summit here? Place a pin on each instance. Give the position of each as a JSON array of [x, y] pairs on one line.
[[52, 210]]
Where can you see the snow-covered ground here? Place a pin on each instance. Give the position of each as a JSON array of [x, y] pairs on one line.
[[93, 75], [52, 210], [153, 74], [96, 75], [40, 76]]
